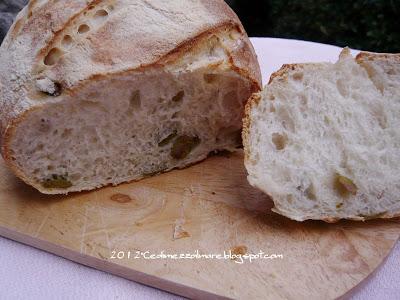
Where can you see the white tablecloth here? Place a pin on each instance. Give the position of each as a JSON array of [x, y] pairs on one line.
[[28, 273]]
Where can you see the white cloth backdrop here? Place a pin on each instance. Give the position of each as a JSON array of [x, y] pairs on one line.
[[28, 273]]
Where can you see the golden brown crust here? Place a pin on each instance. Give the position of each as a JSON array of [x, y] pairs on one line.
[[283, 72], [253, 100], [371, 56]]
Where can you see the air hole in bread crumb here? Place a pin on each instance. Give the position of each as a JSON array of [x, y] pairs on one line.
[[178, 97], [355, 70], [234, 35], [135, 101], [44, 126], [110, 7], [84, 28], [303, 104], [391, 72], [280, 141], [66, 133], [298, 76], [287, 121], [75, 177], [382, 120], [341, 86], [228, 134], [379, 115], [52, 57], [101, 14], [212, 44], [67, 41], [98, 161], [229, 101], [210, 78]]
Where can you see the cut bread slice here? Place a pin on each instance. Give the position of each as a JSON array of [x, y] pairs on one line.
[[323, 140], [99, 93]]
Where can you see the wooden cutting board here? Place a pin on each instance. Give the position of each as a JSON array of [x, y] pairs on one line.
[[209, 208]]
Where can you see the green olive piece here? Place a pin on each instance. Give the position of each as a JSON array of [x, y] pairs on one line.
[[344, 186], [183, 145], [280, 141], [57, 182], [310, 192]]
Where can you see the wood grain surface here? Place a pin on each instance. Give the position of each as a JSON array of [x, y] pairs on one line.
[[209, 208]]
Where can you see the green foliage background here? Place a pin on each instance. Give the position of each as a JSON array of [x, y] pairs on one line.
[[372, 25]]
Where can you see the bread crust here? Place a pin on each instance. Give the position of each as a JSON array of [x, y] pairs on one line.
[[282, 75], [187, 26], [371, 56]]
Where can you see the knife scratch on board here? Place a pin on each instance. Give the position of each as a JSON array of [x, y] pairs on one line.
[[101, 209], [44, 221], [84, 231]]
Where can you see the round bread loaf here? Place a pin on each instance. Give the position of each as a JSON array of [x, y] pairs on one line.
[[103, 92]]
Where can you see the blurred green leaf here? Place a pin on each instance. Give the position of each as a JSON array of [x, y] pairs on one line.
[[372, 25]]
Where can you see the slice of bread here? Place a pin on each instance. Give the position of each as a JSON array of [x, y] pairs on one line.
[[323, 140], [98, 93]]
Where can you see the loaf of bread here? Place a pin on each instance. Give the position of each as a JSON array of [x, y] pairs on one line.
[[97, 93], [323, 140]]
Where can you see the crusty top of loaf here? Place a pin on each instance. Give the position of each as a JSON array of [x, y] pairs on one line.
[[106, 37]]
